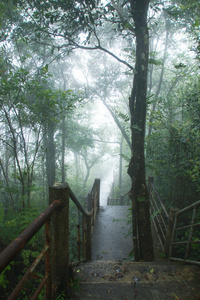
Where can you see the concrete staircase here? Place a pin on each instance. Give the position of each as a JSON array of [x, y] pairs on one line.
[[127, 280], [110, 276]]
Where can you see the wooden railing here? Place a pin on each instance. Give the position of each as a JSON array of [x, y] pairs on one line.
[[179, 231], [56, 249], [159, 214], [93, 200], [186, 247]]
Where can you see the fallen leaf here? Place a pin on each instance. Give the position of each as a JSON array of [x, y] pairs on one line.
[[146, 277]]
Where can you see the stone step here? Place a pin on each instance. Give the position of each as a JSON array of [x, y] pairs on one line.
[[129, 280]]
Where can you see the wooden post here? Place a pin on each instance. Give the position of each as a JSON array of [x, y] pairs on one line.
[[89, 202], [89, 238], [47, 261], [97, 192], [84, 237], [59, 240], [169, 231]]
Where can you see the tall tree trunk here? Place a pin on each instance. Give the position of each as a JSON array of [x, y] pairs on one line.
[[63, 128], [142, 237], [120, 169], [63, 149]]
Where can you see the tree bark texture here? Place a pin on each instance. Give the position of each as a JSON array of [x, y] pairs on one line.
[[142, 237], [63, 149]]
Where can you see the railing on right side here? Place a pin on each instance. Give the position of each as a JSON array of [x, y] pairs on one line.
[[185, 242], [93, 200], [179, 231], [159, 214]]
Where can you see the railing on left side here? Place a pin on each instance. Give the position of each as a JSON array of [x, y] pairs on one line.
[[56, 250], [20, 242]]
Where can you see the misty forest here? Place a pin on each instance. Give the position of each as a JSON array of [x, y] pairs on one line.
[[103, 89]]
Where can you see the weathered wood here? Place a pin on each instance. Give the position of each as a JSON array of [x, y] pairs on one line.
[[84, 237], [60, 239], [78, 243], [89, 237], [187, 252], [76, 202], [173, 234], [185, 261], [89, 197], [47, 261], [169, 231], [191, 226], [158, 212], [97, 192]]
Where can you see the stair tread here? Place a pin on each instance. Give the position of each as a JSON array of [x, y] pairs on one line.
[[142, 280]]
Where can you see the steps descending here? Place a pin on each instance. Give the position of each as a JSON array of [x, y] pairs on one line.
[[127, 280], [111, 275]]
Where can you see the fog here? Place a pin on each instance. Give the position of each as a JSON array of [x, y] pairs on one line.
[[106, 183], [66, 106]]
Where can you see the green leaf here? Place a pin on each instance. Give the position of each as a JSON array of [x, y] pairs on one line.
[[156, 62]]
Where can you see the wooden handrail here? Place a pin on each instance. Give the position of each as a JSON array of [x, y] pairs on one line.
[[194, 222], [77, 203], [167, 231], [160, 217], [56, 239], [93, 199], [7, 255]]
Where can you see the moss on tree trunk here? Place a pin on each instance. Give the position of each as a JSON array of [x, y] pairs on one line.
[[142, 237]]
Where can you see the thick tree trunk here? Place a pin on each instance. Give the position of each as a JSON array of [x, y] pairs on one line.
[[63, 149], [142, 237], [120, 169]]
